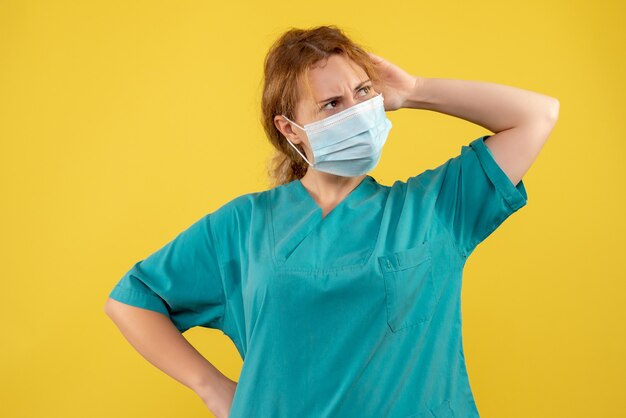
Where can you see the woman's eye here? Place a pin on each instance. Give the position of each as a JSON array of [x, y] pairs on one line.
[[324, 107], [365, 88]]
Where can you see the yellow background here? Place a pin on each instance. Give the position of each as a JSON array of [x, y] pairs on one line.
[[122, 122]]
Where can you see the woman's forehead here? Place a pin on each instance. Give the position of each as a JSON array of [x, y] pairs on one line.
[[334, 74], [330, 77]]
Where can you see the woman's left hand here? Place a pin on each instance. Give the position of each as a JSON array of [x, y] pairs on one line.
[[395, 84]]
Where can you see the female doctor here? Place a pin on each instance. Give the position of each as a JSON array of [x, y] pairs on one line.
[[341, 294]]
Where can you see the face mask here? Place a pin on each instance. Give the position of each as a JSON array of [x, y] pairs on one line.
[[348, 143]]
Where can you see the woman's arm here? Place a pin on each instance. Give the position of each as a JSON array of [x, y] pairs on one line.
[[522, 119], [496, 107], [156, 338]]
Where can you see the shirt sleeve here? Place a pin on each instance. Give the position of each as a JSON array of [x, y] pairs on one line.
[[181, 280], [473, 195]]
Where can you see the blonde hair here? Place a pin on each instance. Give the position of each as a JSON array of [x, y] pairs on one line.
[[285, 69]]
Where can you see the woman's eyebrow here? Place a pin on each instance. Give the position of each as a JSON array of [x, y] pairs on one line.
[[339, 97]]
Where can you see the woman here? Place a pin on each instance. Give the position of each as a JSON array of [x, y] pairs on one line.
[[342, 295]]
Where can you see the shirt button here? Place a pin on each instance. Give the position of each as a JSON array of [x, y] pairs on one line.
[[388, 264]]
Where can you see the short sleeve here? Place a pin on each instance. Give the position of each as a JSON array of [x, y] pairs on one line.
[[474, 195], [181, 280]]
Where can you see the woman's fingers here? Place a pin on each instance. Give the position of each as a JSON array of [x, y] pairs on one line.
[[377, 59]]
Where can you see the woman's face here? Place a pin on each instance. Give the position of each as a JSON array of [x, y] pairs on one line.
[[337, 83]]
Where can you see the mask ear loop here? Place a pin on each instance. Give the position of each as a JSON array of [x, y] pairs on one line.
[[290, 143]]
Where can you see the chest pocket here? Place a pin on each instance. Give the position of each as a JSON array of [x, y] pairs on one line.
[[410, 294]]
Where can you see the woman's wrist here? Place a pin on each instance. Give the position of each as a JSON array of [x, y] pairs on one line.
[[218, 397], [415, 99], [212, 392], [208, 391]]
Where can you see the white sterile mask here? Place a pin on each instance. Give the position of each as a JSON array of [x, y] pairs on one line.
[[348, 143]]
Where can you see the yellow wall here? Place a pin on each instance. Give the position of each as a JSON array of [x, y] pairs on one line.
[[121, 122]]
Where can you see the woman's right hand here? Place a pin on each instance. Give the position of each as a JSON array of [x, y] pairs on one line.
[[219, 398]]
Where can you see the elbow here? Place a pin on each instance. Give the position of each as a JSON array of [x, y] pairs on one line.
[[553, 110], [544, 116]]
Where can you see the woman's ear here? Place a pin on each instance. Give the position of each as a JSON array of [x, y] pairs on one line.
[[287, 129]]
